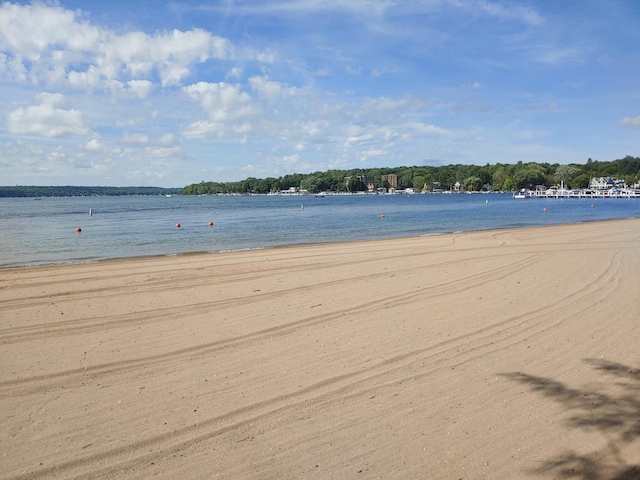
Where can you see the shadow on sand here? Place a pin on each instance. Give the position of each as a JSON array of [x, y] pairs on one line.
[[611, 407]]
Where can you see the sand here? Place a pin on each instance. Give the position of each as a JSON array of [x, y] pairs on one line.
[[488, 355]]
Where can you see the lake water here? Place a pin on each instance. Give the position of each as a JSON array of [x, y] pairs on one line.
[[43, 231]]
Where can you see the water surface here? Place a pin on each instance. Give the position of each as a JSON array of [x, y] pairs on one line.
[[43, 231]]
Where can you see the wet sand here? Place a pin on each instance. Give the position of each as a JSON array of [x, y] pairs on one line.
[[487, 355]]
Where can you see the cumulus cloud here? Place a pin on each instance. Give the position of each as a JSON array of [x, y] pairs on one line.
[[202, 129], [63, 46], [94, 145], [49, 27], [272, 91], [222, 101], [141, 88], [48, 119]]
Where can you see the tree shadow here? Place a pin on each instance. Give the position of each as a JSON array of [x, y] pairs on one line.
[[610, 407]]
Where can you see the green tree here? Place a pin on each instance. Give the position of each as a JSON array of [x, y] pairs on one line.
[[508, 184], [581, 181], [356, 184], [405, 181], [566, 173], [418, 182], [472, 184], [498, 177], [528, 176]]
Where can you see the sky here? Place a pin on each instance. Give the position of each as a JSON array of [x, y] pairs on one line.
[[155, 93]]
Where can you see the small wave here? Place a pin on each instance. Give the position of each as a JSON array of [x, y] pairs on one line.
[[247, 249]]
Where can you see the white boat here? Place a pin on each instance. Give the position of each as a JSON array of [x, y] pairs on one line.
[[519, 195]]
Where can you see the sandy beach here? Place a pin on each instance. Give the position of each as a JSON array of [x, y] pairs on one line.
[[488, 355]]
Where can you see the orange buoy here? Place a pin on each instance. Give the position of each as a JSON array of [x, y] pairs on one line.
[[210, 224], [382, 216], [592, 205], [177, 225], [544, 209], [78, 229]]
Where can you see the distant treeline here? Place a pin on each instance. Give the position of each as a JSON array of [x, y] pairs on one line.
[[498, 177], [71, 191]]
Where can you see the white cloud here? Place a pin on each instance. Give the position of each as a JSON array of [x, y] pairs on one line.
[[375, 10], [222, 101], [242, 128], [629, 121], [297, 90], [505, 12], [168, 139], [431, 129], [141, 88], [46, 119], [63, 46], [553, 55], [160, 152], [94, 145], [272, 91], [350, 70], [372, 152], [170, 54], [135, 139], [289, 159], [28, 30], [234, 73], [202, 129]]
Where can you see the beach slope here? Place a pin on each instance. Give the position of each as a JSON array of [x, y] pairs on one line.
[[487, 355]]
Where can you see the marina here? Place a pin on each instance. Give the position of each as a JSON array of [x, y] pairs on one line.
[[583, 193]]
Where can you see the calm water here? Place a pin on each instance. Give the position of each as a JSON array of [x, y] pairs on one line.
[[42, 231]]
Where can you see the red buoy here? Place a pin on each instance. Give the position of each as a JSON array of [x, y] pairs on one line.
[[177, 225], [210, 224], [78, 229], [382, 216]]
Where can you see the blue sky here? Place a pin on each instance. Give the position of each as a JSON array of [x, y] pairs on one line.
[[171, 93]]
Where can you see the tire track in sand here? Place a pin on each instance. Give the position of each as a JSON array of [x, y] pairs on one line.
[[134, 455], [43, 382]]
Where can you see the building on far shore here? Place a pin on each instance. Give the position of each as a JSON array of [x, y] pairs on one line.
[[392, 178], [366, 180], [606, 183]]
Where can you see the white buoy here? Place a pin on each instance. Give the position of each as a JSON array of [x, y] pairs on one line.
[[90, 211]]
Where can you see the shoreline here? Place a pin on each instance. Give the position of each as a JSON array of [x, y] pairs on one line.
[[492, 354], [293, 245]]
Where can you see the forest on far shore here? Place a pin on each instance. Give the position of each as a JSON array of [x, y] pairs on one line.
[[472, 178], [498, 177], [73, 191]]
